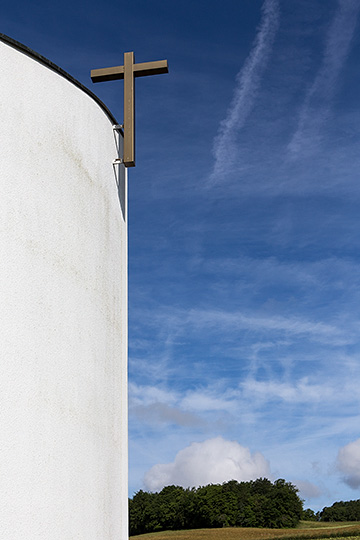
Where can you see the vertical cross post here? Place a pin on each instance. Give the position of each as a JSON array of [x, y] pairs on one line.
[[129, 110], [128, 72]]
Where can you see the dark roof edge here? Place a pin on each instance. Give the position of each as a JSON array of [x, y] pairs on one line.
[[57, 69]]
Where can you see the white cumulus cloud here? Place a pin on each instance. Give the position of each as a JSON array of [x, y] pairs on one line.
[[213, 461], [348, 462]]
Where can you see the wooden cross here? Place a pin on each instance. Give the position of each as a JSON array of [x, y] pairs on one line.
[[128, 72]]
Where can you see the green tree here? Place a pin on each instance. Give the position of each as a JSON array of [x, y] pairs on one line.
[[341, 511], [259, 503], [309, 515]]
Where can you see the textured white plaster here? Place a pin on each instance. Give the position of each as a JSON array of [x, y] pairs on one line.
[[63, 311]]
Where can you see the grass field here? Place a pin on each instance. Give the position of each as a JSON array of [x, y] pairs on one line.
[[306, 530]]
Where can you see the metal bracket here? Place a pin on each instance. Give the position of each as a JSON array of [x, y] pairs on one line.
[[118, 128]]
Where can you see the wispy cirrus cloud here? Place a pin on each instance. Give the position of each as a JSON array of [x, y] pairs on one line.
[[149, 394], [290, 325], [302, 391], [316, 107], [225, 321], [230, 397], [248, 81]]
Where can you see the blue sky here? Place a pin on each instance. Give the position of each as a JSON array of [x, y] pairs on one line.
[[244, 245]]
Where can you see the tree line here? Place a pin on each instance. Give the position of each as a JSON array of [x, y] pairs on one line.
[[341, 511], [258, 503]]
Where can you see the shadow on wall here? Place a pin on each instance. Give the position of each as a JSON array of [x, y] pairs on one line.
[[119, 171]]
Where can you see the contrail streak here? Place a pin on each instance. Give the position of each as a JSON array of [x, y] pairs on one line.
[[316, 106], [248, 80]]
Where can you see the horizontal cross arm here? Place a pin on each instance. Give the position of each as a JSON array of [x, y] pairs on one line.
[[139, 70], [150, 68], [107, 74]]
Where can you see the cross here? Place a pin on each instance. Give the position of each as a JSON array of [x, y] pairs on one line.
[[128, 72]]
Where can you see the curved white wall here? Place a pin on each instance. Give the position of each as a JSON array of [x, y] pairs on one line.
[[63, 310]]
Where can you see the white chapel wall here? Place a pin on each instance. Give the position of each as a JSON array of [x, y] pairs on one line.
[[63, 310]]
